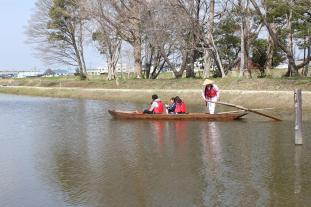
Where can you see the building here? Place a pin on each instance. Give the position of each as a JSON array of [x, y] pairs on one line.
[[28, 74], [104, 70], [19, 74], [97, 71]]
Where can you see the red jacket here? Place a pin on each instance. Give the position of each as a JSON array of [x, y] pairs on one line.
[[159, 109], [210, 93], [180, 108]]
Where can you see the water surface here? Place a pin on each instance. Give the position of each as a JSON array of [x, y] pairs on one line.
[[62, 152]]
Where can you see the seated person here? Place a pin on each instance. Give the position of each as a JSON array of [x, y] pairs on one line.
[[170, 108], [156, 106], [180, 106]]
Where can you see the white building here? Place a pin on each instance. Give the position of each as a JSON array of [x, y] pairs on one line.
[[97, 71], [26, 74], [100, 70], [21, 74]]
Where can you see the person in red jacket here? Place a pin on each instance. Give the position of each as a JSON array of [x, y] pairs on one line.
[[156, 106], [210, 94], [180, 106]]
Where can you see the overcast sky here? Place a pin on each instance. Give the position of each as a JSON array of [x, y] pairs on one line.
[[15, 54]]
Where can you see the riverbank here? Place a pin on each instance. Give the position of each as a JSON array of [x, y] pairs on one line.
[[228, 83], [247, 98], [257, 92]]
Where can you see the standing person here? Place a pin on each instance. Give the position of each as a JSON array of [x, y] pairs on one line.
[[156, 106], [210, 93]]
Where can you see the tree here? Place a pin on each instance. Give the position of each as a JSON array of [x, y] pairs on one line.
[[260, 56], [57, 29], [211, 52], [110, 46], [154, 37], [283, 14], [106, 37], [168, 31], [126, 18], [228, 41], [303, 33]]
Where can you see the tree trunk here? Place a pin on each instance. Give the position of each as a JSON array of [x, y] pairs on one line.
[[244, 66], [80, 50], [247, 42], [78, 57], [242, 62], [270, 51], [113, 54], [110, 68], [306, 70], [190, 65], [291, 70], [217, 59], [83, 62], [155, 73], [149, 53], [137, 58], [157, 65], [177, 74], [207, 64], [210, 28]]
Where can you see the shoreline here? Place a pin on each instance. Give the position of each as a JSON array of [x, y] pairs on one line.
[[247, 98]]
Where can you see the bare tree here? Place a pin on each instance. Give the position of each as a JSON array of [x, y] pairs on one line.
[[210, 29], [126, 18], [109, 46], [167, 35], [104, 34]]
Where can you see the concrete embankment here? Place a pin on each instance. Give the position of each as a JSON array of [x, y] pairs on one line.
[[248, 98]]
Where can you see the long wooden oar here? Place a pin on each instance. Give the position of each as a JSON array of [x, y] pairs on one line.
[[246, 109]]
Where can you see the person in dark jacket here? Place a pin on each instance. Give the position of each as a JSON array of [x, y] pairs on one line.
[[170, 108]]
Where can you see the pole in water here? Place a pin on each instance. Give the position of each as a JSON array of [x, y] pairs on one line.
[[298, 116]]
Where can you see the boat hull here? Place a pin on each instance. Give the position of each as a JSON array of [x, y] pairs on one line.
[[225, 116]]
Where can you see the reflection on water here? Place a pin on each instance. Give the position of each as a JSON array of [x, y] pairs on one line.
[[61, 152]]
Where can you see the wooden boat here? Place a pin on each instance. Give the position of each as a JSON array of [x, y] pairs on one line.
[[224, 116]]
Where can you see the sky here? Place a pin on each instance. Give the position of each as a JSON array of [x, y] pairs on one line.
[[15, 53]]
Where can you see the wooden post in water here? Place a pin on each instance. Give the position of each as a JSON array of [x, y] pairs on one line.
[[298, 116]]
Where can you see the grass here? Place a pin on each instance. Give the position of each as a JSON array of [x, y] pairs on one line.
[[55, 86], [166, 81]]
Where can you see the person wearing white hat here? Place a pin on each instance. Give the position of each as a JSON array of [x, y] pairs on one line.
[[210, 94]]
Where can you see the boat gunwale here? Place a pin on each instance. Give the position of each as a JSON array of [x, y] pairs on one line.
[[223, 116]]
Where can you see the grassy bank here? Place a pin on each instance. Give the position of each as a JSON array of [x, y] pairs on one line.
[[284, 84], [277, 92]]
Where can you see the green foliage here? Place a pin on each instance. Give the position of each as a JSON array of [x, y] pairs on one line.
[[278, 12], [260, 54], [302, 25], [64, 18], [227, 41]]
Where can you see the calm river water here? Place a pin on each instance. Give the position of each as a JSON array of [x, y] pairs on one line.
[[62, 152]]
